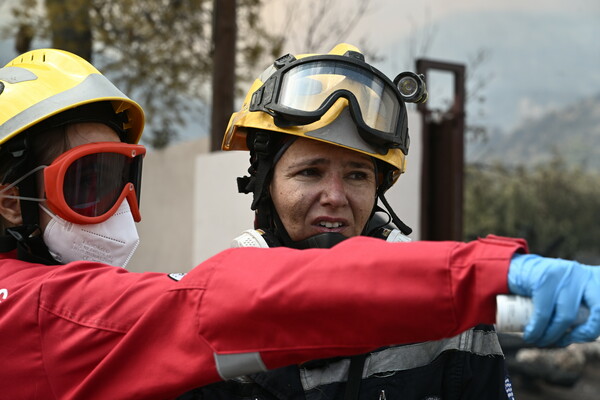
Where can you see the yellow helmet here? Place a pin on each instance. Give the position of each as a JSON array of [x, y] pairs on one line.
[[42, 83], [302, 95]]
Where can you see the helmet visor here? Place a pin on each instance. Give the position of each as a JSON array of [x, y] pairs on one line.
[[88, 183]]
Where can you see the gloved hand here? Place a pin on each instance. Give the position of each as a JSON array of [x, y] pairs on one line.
[[558, 288]]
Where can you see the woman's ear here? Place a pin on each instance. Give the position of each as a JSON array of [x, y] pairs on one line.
[[10, 208]]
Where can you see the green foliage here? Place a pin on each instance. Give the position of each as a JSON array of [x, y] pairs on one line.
[[158, 51], [161, 52], [553, 206], [258, 44], [28, 23]]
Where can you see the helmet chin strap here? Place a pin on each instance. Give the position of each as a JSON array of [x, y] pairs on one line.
[[405, 229], [320, 241]]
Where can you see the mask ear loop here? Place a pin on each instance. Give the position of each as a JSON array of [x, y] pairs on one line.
[[52, 215]]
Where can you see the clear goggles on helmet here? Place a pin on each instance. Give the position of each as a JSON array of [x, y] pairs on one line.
[[301, 92], [88, 183]]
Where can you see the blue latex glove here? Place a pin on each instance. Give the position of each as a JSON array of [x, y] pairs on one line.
[[558, 288]]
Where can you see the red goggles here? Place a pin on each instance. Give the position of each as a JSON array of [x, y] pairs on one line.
[[88, 183]]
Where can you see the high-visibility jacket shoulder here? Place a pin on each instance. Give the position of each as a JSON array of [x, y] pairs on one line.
[[93, 331]]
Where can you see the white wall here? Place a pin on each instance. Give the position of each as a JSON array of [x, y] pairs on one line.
[[167, 208], [220, 212], [191, 208], [405, 195]]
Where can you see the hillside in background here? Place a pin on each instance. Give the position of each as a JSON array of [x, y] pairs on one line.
[[572, 132]]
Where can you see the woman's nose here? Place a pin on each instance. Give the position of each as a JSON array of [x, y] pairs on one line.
[[333, 192]]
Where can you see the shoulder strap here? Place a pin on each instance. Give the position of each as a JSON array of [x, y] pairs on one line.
[[357, 364]]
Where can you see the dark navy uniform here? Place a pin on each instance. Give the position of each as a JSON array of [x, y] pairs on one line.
[[468, 366]]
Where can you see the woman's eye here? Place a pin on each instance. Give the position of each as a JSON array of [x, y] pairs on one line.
[[359, 176], [308, 172]]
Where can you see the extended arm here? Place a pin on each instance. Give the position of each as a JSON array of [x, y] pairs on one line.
[[249, 309]]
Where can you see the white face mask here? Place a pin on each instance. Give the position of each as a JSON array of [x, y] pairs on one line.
[[111, 242]]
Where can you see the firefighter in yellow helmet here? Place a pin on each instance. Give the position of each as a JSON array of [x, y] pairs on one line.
[[328, 135], [55, 103], [335, 98]]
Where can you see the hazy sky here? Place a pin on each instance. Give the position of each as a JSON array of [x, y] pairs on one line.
[[540, 54]]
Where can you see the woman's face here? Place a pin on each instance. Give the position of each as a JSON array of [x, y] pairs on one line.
[[78, 134], [318, 188]]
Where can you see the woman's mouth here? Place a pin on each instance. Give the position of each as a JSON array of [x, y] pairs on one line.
[[323, 225], [330, 225]]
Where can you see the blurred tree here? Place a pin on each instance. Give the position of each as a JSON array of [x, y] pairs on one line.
[[25, 27], [70, 26], [320, 25], [161, 51], [167, 50], [553, 206], [158, 51], [223, 72], [67, 24]]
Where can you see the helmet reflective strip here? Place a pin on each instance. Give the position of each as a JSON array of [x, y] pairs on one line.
[[230, 366], [94, 84]]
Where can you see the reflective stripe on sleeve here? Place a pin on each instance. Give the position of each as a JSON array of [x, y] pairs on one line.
[[230, 366]]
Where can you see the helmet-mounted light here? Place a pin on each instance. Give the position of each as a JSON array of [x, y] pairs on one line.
[[412, 87]]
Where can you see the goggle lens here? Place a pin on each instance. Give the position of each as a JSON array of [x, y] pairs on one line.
[[93, 183], [306, 87]]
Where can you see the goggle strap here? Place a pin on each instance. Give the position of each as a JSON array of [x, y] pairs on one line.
[[50, 213], [22, 198], [15, 183]]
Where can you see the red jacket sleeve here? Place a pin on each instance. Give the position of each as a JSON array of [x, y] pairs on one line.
[[101, 332]]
